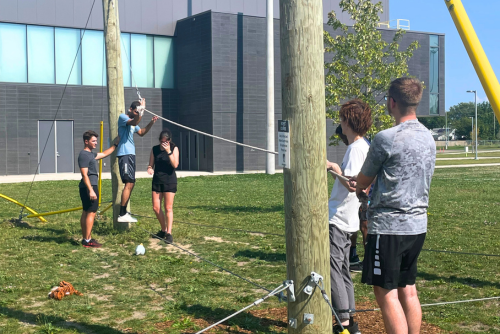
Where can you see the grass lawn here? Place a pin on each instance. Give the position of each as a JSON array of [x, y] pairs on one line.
[[469, 155], [479, 147], [166, 291], [467, 161]]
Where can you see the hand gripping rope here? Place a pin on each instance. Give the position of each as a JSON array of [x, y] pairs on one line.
[[288, 284]]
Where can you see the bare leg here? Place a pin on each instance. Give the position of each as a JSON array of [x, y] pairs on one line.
[[127, 191], [363, 226], [89, 223], [157, 197], [392, 311], [411, 305], [169, 205], [83, 224]]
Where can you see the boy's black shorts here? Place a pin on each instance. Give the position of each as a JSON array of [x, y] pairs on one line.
[[126, 164], [391, 260], [87, 203]]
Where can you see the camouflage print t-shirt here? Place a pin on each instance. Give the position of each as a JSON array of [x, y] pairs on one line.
[[403, 159]]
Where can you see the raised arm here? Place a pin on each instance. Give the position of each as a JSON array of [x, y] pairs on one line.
[[142, 132]]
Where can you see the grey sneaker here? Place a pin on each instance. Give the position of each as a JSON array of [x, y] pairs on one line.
[[356, 267]]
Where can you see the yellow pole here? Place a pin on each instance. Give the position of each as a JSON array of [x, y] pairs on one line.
[[99, 185], [22, 205], [53, 212], [106, 208], [476, 53]]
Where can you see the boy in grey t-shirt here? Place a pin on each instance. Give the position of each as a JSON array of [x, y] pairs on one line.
[[89, 194], [402, 159]]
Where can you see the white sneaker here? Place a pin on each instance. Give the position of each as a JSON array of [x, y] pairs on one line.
[[126, 218]]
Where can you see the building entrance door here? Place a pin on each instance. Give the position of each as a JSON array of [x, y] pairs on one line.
[[58, 155]]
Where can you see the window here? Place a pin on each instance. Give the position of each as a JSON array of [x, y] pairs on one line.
[[41, 55], [67, 43], [142, 60], [125, 54], [13, 62], [164, 62], [434, 75], [93, 58]]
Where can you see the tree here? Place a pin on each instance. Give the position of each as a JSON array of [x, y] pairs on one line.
[[363, 64], [459, 119], [433, 122]]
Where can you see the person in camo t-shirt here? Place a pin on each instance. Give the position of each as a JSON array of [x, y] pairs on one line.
[[402, 159]]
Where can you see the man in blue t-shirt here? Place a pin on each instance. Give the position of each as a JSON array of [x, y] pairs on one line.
[[127, 126]]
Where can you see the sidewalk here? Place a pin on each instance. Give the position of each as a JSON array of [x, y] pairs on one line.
[[107, 176]]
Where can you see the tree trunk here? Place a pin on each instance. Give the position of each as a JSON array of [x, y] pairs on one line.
[[305, 183], [116, 100]]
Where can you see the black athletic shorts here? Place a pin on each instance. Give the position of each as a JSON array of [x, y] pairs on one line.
[[127, 168], [391, 260], [164, 188], [89, 205]]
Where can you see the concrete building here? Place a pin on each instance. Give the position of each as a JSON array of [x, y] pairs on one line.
[[201, 63]]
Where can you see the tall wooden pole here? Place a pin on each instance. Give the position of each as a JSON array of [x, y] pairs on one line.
[[116, 100], [306, 198]]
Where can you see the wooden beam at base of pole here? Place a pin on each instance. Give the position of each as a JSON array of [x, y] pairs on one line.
[[305, 183], [116, 100]]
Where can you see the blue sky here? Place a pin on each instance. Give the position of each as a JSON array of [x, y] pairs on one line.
[[433, 16]]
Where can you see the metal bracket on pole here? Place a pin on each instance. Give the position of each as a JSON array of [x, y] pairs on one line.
[[313, 282]]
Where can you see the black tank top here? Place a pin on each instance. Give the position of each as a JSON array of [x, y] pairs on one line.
[[164, 171]]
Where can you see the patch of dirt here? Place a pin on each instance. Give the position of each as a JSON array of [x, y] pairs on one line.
[[275, 319], [105, 275], [156, 244], [37, 304], [105, 267], [216, 239], [99, 297], [108, 287], [20, 223], [194, 270], [74, 251], [241, 264], [135, 315], [477, 327], [257, 234]]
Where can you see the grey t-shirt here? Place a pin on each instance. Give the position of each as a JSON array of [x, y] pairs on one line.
[[87, 159], [403, 159]]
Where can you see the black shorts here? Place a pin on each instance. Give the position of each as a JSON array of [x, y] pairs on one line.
[[164, 188], [127, 168], [87, 203], [391, 260]]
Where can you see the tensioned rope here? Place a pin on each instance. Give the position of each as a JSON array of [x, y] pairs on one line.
[[282, 235], [57, 111], [210, 135]]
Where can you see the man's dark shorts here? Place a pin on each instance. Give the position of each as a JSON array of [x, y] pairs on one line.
[[87, 203], [391, 260], [127, 168]]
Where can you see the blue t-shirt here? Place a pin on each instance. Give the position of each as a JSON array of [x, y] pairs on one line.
[[126, 132]]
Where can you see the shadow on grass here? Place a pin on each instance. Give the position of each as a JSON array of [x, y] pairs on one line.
[[472, 282], [58, 240], [270, 257], [243, 320], [58, 322], [237, 209]]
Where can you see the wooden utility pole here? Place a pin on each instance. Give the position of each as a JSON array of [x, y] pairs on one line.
[[306, 198], [116, 99]]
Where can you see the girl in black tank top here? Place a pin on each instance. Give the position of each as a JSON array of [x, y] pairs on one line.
[[163, 161]]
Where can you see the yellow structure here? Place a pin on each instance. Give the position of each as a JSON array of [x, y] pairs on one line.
[[99, 184], [53, 212], [22, 205], [476, 53]]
